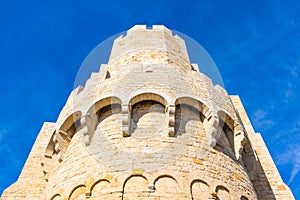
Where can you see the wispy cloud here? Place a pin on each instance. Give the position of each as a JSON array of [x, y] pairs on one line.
[[2, 132], [261, 121], [293, 70], [288, 92], [296, 168], [291, 156], [283, 133]]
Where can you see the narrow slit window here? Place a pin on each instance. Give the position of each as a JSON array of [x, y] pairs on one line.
[[107, 75]]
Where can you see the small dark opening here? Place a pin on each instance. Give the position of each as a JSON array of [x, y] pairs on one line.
[[193, 68], [107, 75]]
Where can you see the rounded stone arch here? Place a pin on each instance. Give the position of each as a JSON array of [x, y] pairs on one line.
[[98, 111], [226, 138], [165, 186], [99, 183], [49, 151], [189, 115], [56, 197], [132, 176], [148, 96], [248, 158], [135, 187], [164, 176], [49, 159], [226, 118], [199, 189], [222, 193], [78, 193], [144, 110], [155, 175], [195, 102], [63, 135], [106, 103], [59, 142], [103, 102], [70, 120], [145, 94]]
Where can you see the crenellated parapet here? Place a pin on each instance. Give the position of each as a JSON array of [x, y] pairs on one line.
[[148, 46]]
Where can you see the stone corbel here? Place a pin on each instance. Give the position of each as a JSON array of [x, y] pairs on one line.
[[239, 142], [86, 136], [60, 146], [251, 161], [47, 166], [88, 127], [212, 128], [84, 130], [125, 120], [60, 140], [171, 120], [49, 150]]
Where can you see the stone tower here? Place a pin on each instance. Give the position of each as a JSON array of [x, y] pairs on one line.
[[149, 125]]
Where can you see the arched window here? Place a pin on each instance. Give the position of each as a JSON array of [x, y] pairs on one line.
[[147, 117], [71, 125], [186, 118], [248, 159], [59, 143], [225, 141], [107, 111], [103, 111], [188, 115]]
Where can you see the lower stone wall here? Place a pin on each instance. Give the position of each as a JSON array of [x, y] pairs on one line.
[[140, 186], [153, 166]]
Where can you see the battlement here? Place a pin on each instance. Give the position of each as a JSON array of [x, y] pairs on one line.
[[149, 46], [154, 28]]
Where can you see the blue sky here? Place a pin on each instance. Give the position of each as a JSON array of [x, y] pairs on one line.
[[255, 45]]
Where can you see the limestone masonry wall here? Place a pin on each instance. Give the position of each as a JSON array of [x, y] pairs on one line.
[[149, 125]]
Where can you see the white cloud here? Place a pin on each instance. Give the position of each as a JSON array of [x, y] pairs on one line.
[[260, 120], [259, 114], [291, 156], [296, 168], [283, 133]]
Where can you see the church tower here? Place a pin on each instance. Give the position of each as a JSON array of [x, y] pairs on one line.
[[149, 125]]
